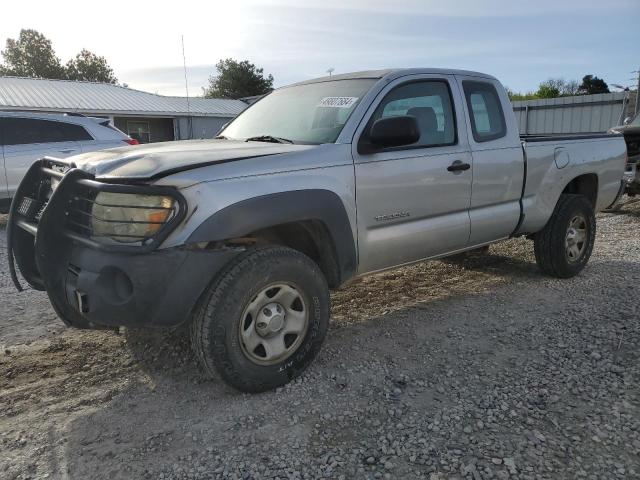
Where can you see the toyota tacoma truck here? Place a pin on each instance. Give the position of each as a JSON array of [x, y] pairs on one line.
[[242, 236]]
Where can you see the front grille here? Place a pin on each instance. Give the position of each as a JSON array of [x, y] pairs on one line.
[[31, 208], [31, 205], [31, 199]]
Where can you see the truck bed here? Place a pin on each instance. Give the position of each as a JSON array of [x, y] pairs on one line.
[[553, 161]]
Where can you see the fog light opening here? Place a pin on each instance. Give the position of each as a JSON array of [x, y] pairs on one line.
[[114, 286]]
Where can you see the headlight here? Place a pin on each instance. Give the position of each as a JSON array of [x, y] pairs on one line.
[[130, 218]]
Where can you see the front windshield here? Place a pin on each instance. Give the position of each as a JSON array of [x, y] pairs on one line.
[[314, 113]]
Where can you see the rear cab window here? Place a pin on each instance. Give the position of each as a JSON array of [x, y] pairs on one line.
[[485, 111]]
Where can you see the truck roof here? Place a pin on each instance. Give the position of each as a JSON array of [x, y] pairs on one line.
[[392, 73]]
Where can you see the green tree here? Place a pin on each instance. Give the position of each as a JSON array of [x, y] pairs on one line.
[[548, 89], [592, 85], [237, 80], [31, 55], [570, 88], [551, 88], [90, 67], [515, 96]]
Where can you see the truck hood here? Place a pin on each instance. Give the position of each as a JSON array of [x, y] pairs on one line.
[[157, 160]]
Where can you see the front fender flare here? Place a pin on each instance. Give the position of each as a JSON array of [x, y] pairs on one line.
[[257, 213]]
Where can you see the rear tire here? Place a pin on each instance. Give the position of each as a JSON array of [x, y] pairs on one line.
[[263, 321], [563, 247]]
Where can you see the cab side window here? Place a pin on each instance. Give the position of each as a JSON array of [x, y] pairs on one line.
[[22, 131], [487, 117], [430, 103]]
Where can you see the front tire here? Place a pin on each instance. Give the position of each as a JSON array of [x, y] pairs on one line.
[[263, 321], [563, 247]]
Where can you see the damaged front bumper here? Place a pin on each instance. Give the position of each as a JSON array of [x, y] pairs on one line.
[[93, 283]]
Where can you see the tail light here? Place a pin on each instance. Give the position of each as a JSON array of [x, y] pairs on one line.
[[132, 141]]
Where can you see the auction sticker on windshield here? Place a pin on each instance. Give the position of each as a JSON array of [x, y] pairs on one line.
[[338, 102]]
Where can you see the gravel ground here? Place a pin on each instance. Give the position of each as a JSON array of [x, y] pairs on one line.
[[473, 367]]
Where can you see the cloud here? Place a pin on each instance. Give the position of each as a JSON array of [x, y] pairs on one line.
[[519, 41]]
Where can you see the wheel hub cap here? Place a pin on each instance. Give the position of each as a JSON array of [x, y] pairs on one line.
[[576, 239], [273, 324], [270, 319]]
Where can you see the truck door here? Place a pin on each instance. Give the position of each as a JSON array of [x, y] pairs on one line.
[[413, 201], [498, 161], [29, 139]]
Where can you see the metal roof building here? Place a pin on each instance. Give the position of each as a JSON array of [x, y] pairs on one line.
[[145, 116]]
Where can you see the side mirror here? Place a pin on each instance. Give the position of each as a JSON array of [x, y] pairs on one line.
[[627, 121], [394, 132]]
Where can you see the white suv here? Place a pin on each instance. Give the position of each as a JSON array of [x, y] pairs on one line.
[[28, 136]]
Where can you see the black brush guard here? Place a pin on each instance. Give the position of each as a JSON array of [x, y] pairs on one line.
[[41, 214], [49, 232]]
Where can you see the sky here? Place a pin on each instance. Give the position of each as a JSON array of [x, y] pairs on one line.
[[521, 42]]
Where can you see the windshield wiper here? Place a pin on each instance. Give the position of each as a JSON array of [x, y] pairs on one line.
[[268, 138], [221, 137]]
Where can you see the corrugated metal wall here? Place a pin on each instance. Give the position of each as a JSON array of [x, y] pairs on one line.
[[580, 114]]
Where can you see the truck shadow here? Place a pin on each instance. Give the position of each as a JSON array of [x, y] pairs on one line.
[[630, 207], [495, 263], [627, 213], [163, 354]]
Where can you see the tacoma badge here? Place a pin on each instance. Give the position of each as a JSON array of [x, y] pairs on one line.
[[391, 216]]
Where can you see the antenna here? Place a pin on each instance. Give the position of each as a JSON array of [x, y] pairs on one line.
[[186, 86], [637, 92]]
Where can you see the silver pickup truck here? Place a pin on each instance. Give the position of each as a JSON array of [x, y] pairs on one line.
[[319, 182]]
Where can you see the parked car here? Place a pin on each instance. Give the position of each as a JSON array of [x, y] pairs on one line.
[[28, 136], [241, 237], [631, 132]]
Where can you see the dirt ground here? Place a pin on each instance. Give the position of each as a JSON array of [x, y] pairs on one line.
[[471, 367]]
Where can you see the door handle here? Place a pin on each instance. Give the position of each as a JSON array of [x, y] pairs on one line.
[[69, 150], [458, 166]]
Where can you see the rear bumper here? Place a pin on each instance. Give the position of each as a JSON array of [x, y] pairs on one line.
[[93, 285]]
